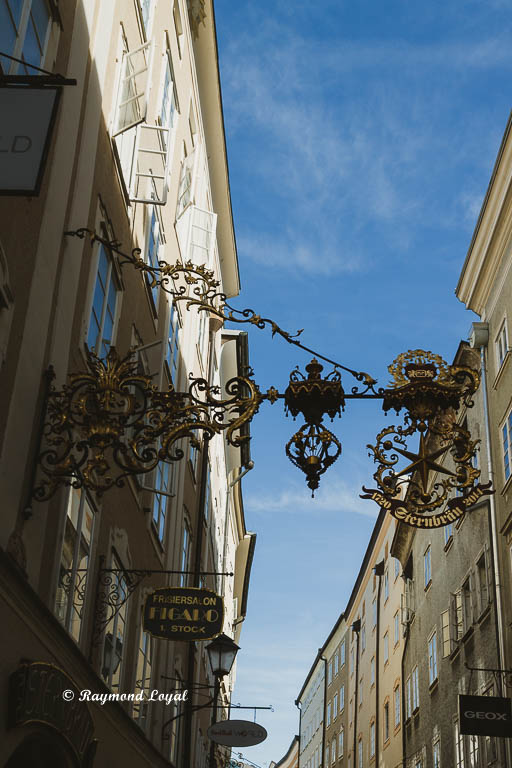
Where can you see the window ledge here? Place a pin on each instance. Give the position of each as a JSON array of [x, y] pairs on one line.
[[467, 634], [434, 686], [416, 711], [507, 486], [448, 544], [485, 613], [455, 652]]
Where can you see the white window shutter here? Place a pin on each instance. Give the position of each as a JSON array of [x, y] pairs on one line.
[[150, 168], [133, 90]]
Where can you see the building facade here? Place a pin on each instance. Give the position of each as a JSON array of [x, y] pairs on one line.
[[137, 158], [311, 704]]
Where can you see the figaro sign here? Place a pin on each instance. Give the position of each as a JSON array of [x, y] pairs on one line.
[[184, 613]]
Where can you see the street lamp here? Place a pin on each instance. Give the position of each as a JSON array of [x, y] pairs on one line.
[[221, 652]]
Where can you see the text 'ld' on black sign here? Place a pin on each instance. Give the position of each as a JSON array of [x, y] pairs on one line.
[[485, 716], [183, 613]]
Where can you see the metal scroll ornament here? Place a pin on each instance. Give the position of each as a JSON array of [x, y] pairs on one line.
[[442, 472], [110, 422], [313, 449]]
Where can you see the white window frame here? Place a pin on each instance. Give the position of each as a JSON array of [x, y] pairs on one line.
[[427, 567], [13, 67], [342, 698], [501, 347], [341, 744], [415, 689], [433, 670], [397, 705], [506, 444], [385, 647]]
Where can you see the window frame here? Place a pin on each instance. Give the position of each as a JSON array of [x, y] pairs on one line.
[[112, 278], [506, 445], [25, 19], [433, 668], [501, 347]]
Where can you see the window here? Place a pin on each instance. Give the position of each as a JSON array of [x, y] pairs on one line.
[[501, 345], [162, 473], [459, 746], [386, 648], [446, 635], [467, 604], [193, 453], [372, 671], [436, 754], [145, 9], [185, 184], [432, 658], [374, 613], [104, 306], [474, 751], [483, 579], [360, 754], [76, 547], [185, 554], [178, 27], [408, 700], [360, 691], [329, 673], [427, 567], [372, 739], [396, 628], [342, 698], [506, 432], [336, 664], [386, 584], [396, 695], [351, 661], [333, 751], [172, 347], [335, 706], [24, 33], [448, 533], [417, 762], [415, 690], [114, 643], [327, 753], [363, 638], [397, 567], [153, 253], [143, 679], [168, 105], [342, 654], [340, 743], [328, 714], [208, 491], [386, 721]]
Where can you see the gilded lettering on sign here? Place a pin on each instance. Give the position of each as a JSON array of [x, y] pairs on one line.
[[184, 613]]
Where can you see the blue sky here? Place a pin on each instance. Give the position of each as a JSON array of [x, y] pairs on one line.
[[361, 139]]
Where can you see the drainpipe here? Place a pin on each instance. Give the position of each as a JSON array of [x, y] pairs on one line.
[[379, 572], [324, 727], [356, 627], [480, 338], [299, 707]]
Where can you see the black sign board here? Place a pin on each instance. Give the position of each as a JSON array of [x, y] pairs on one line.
[[184, 613], [42, 693], [485, 716]]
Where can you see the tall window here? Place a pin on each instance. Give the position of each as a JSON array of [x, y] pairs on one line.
[[427, 567], [360, 753], [172, 347], [24, 32], [501, 345], [396, 628], [143, 679], [482, 570], [342, 698], [104, 305], [74, 561], [386, 721], [333, 751], [474, 751], [396, 694], [329, 673], [386, 584], [185, 184], [448, 533], [408, 700], [342, 654], [363, 638], [436, 754], [372, 739], [168, 110], [335, 706], [152, 255], [328, 714], [160, 498], [397, 567], [340, 743], [372, 671], [386, 647], [336, 663], [506, 432], [145, 8], [374, 613], [185, 554], [415, 690], [115, 636], [432, 658], [459, 746]]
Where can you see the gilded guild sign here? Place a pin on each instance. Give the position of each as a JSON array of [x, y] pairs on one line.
[[184, 613]]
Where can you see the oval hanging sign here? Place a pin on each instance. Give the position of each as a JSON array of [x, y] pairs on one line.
[[183, 613], [237, 733]]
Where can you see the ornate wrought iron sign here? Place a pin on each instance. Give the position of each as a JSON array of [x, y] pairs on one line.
[[184, 613], [431, 392]]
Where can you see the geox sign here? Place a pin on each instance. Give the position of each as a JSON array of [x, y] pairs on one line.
[[485, 716]]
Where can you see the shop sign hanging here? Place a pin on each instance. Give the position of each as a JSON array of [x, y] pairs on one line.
[[184, 613]]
